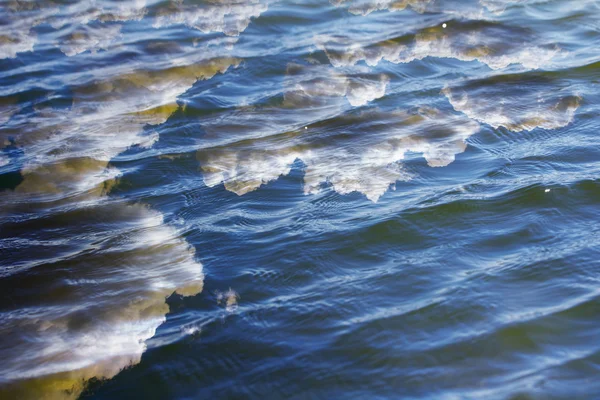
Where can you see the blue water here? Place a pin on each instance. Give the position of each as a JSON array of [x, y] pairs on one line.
[[353, 199]]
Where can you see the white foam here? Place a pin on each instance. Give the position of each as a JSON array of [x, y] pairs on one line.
[[24, 16], [135, 260], [486, 46], [101, 325], [230, 17], [4, 160], [93, 39], [516, 107], [84, 12], [126, 309], [320, 84], [18, 42], [67, 152], [499, 6], [131, 10], [367, 160], [362, 93], [191, 330], [366, 7], [480, 10], [20, 18]]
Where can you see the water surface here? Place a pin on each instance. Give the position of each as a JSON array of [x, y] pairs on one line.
[[299, 199]]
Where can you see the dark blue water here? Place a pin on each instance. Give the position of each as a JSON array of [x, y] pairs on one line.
[[353, 199]]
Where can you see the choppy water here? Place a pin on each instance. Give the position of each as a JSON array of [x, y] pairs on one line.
[[300, 199]]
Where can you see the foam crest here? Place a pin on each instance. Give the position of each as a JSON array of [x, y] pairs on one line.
[[21, 17], [96, 322], [546, 111], [499, 6], [489, 44], [106, 118], [323, 86], [17, 42], [482, 9], [366, 7], [230, 17], [87, 38], [132, 10], [517, 105], [132, 260], [311, 93], [18, 19], [358, 153], [87, 11]]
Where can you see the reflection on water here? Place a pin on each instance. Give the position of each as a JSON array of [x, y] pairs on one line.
[[271, 100]]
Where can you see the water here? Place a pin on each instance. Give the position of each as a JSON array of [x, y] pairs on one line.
[[300, 199]]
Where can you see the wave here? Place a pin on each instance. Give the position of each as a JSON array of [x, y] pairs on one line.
[[124, 263], [91, 25], [495, 45], [86, 38], [88, 274], [499, 6], [105, 288], [21, 17], [230, 17], [358, 153], [517, 104], [366, 7], [471, 9], [101, 301], [314, 89], [18, 20]]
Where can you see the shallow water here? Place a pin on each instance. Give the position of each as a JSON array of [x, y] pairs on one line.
[[300, 199]]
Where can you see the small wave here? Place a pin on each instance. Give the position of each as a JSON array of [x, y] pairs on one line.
[[86, 38], [228, 299], [18, 42], [465, 9], [23, 16], [18, 20], [489, 44], [319, 85], [360, 157], [4, 160], [366, 7], [106, 118], [99, 326], [96, 330], [499, 6], [517, 105], [230, 17]]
